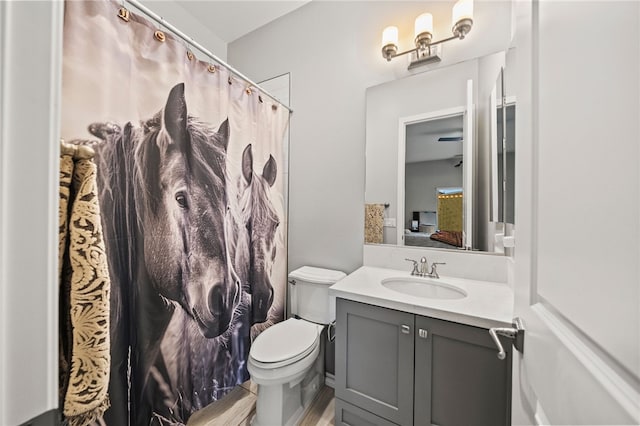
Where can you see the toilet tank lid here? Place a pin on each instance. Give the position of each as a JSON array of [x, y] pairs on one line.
[[317, 275]]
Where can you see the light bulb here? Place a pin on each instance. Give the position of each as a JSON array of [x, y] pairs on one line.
[[463, 9], [390, 36], [424, 24]]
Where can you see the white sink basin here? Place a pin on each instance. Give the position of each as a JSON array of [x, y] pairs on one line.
[[424, 287]]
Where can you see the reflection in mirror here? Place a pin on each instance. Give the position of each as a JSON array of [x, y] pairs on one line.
[[433, 215], [506, 157], [502, 153]]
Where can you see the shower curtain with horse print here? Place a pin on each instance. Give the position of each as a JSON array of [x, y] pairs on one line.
[[191, 182]]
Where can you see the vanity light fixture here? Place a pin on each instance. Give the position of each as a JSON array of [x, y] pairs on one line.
[[425, 51]]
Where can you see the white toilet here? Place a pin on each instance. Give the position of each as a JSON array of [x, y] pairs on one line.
[[286, 360]]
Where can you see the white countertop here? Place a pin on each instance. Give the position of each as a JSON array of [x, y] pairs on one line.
[[487, 304]]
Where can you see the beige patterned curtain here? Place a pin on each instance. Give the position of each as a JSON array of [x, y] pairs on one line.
[[84, 291], [450, 212]]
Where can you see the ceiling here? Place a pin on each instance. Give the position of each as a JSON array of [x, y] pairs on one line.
[[422, 140], [230, 20]]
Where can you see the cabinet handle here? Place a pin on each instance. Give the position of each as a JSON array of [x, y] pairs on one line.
[[405, 329], [423, 333]]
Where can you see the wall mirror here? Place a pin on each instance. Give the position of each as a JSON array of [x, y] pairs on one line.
[[430, 162]]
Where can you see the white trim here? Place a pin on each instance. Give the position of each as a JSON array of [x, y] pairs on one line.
[[53, 296], [403, 122], [627, 398], [29, 138], [3, 204], [330, 380], [468, 169]]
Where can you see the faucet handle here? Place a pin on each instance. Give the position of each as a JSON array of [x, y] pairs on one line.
[[434, 272], [415, 266]]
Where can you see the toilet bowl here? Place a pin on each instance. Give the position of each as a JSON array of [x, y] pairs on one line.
[[279, 363], [286, 360]]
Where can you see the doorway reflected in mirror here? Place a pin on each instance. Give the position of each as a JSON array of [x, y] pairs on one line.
[[433, 182]]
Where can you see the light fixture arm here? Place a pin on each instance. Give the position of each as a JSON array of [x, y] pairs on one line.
[[390, 51]]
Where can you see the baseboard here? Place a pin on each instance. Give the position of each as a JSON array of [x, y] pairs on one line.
[[330, 380]]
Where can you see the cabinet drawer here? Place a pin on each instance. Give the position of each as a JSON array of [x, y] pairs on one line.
[[350, 415]]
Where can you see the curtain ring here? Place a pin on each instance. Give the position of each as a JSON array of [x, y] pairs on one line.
[[211, 68], [248, 90], [124, 14], [187, 48], [159, 34], [229, 80], [260, 99]]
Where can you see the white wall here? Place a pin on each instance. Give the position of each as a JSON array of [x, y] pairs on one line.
[[176, 15], [332, 50]]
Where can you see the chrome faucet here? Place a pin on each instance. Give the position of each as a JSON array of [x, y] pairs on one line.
[[423, 266], [423, 271]]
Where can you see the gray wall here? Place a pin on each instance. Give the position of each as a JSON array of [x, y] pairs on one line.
[[332, 50], [421, 181]]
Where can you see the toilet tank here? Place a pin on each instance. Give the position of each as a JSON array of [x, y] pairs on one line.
[[309, 293]]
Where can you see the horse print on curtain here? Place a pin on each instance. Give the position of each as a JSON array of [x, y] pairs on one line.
[[193, 196]]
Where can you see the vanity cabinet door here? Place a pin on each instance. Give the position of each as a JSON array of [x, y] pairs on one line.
[[374, 360], [459, 379]]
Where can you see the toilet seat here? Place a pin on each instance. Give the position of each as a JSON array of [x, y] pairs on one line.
[[285, 343]]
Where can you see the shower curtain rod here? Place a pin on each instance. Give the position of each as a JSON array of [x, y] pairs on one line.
[[159, 19]]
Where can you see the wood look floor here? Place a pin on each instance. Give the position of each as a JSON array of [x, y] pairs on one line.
[[238, 407]]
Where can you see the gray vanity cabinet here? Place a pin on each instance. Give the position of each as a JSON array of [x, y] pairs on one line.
[[398, 368], [459, 379], [374, 361]]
